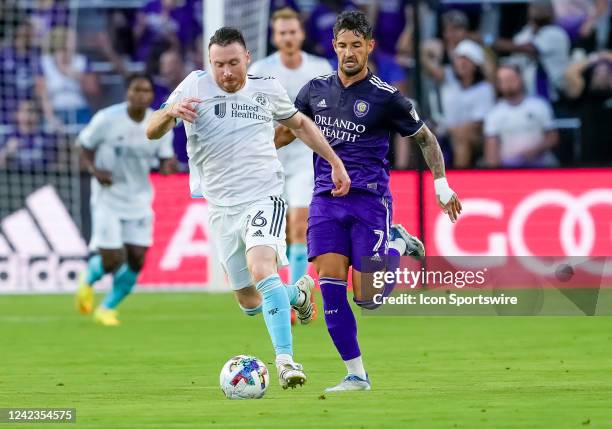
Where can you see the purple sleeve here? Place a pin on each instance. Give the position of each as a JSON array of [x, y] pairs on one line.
[[403, 116], [302, 101]]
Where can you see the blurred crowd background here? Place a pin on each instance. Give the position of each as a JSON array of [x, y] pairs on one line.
[[503, 84]]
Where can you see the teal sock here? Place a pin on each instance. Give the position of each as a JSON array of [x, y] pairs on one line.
[[275, 308], [95, 270], [298, 260], [293, 293], [124, 280]]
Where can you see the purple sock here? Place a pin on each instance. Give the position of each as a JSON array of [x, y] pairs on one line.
[[339, 317], [392, 262]]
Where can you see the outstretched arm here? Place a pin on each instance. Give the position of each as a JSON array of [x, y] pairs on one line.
[[282, 136], [311, 135], [447, 198]]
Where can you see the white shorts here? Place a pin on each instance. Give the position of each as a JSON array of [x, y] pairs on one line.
[[298, 188], [235, 229], [111, 232]]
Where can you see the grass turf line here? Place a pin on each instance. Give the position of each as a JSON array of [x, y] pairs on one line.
[[160, 369]]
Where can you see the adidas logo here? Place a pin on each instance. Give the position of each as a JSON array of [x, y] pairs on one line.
[[257, 233], [322, 103], [41, 249]]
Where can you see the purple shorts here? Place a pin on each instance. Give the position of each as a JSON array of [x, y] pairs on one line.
[[356, 225]]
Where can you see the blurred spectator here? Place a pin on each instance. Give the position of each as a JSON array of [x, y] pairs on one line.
[[28, 147], [519, 130], [393, 34], [542, 50], [466, 99], [172, 71], [47, 14], [590, 83], [21, 75], [320, 26], [436, 54], [579, 19], [162, 25], [68, 76]]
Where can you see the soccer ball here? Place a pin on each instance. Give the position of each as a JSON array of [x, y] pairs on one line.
[[244, 377]]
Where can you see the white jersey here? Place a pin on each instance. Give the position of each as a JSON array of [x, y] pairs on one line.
[[295, 155], [232, 158], [519, 127], [123, 149]]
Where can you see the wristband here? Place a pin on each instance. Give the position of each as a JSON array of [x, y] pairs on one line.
[[443, 191]]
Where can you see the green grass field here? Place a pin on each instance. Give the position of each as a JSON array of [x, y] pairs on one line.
[[160, 369]]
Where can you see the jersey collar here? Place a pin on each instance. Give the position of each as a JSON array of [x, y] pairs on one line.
[[359, 82]]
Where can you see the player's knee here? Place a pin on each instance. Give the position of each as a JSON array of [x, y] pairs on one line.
[[136, 261], [111, 263]]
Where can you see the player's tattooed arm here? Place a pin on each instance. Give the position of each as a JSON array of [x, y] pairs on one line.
[[282, 136], [447, 198], [431, 151]]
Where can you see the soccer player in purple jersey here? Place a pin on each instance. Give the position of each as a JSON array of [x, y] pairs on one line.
[[357, 111]]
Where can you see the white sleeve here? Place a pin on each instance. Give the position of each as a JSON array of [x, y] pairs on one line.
[[255, 68], [491, 127], [282, 107], [548, 39], [165, 149], [486, 101], [183, 90], [92, 135], [545, 115]]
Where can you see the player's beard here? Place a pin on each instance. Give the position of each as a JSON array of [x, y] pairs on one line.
[[353, 71]]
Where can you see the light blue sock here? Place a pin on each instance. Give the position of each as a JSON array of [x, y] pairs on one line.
[[275, 308], [293, 293], [124, 280], [298, 260], [95, 270]]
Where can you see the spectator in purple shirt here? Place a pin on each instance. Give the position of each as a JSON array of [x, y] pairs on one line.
[[28, 147], [393, 36], [21, 73], [172, 71], [164, 24], [320, 26]]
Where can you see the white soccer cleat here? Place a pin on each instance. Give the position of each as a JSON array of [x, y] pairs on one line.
[[351, 383], [414, 246], [290, 374], [305, 311]]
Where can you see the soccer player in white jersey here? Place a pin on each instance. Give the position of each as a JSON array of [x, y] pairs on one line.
[[293, 68], [233, 164], [118, 154]]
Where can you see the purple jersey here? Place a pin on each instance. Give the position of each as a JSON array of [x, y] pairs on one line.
[[18, 74], [357, 121]]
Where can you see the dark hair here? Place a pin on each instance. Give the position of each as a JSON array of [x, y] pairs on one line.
[[355, 21], [136, 76], [225, 36]]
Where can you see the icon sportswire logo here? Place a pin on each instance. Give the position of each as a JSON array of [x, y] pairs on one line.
[[41, 249]]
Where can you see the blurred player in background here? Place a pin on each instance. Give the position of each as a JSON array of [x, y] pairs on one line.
[[233, 164], [357, 111], [117, 153], [293, 68]]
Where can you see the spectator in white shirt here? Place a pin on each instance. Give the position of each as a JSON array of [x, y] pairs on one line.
[[68, 77], [466, 99], [543, 51], [519, 130]]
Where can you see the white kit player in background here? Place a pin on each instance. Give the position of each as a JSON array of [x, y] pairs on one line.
[[119, 156], [233, 164], [293, 68]]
